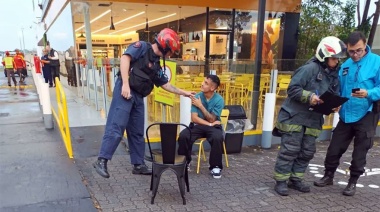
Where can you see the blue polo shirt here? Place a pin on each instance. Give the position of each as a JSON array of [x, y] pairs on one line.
[[214, 105], [138, 50]]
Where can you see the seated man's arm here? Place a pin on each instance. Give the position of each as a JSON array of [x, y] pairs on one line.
[[197, 120], [210, 117]]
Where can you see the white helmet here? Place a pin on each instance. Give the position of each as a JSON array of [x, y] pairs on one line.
[[330, 47]]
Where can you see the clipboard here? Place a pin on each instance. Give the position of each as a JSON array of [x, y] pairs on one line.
[[330, 101]]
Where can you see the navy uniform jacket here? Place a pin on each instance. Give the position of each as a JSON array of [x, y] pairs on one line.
[[310, 78]]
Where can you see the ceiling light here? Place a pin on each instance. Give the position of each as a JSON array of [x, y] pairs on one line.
[[96, 18], [157, 19], [126, 19], [81, 35]]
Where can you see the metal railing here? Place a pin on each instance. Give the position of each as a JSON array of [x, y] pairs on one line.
[[62, 117]]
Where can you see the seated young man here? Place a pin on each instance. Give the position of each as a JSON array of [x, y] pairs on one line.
[[206, 109]]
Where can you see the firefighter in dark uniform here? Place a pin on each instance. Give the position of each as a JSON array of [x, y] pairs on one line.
[[140, 70], [299, 126]]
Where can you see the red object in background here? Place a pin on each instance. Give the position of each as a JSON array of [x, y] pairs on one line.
[[37, 64]]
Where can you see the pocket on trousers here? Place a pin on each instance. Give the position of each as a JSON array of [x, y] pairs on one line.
[[120, 118]]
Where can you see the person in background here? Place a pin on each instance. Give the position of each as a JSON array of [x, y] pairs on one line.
[[127, 107], [70, 66], [359, 78], [206, 109], [54, 62], [20, 66], [46, 69], [10, 67], [297, 125]]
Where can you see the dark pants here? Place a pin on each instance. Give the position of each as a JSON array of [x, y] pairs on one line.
[[11, 73], [214, 136], [21, 74], [125, 114], [296, 151], [55, 72], [47, 75], [71, 75], [363, 132]]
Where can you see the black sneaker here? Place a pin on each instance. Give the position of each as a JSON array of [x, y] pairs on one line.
[[141, 169]]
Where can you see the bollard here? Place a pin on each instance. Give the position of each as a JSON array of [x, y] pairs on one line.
[[185, 108], [40, 81], [46, 106], [269, 107]]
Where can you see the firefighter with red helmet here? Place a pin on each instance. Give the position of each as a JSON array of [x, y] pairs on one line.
[[140, 71]]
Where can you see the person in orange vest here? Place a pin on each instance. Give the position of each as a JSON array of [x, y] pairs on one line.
[[20, 66], [9, 65]]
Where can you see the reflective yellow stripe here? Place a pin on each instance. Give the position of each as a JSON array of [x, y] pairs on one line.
[[281, 177], [288, 127], [313, 132], [299, 175], [305, 96]]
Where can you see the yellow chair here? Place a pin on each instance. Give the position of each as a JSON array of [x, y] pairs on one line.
[[283, 87], [201, 152]]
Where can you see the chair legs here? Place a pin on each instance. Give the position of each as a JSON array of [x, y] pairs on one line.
[[201, 153], [182, 177]]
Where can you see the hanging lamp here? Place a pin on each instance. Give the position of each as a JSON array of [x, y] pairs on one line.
[[146, 19], [179, 30], [112, 27]]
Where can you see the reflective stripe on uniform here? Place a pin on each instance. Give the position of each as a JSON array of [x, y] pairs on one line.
[[299, 175], [281, 177], [305, 96], [313, 132], [288, 127]]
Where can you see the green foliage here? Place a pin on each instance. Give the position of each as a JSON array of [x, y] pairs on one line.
[[321, 18]]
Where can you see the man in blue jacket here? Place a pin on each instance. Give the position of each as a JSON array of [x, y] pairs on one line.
[[359, 80]]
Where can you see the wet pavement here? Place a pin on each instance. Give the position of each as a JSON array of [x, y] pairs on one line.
[[35, 172]]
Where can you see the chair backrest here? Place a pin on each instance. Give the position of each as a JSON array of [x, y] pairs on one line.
[[168, 134], [224, 118]]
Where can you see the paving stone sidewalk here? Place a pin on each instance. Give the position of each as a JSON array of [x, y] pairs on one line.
[[247, 185]]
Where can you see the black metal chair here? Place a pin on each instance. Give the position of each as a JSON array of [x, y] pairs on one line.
[[168, 158]]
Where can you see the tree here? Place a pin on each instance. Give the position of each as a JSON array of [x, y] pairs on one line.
[[323, 18]]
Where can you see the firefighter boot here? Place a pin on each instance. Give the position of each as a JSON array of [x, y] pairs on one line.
[[281, 188], [351, 186], [101, 167], [299, 185], [326, 180]]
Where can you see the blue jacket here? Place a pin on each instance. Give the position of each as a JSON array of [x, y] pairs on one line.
[[364, 74]]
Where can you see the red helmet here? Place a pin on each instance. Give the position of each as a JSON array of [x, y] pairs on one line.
[[168, 40], [7, 53]]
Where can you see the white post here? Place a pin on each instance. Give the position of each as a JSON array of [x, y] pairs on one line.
[[269, 107], [41, 81], [46, 106], [185, 111]]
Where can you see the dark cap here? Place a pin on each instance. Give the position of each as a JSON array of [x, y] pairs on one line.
[[214, 79]]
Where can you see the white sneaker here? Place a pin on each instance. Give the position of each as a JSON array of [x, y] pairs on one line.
[[216, 173]]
